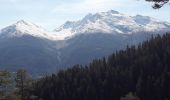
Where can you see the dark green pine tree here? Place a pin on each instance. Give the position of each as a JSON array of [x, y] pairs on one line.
[[143, 70]]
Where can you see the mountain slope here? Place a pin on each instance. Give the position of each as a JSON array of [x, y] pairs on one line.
[[101, 34], [29, 46], [33, 54], [82, 49], [143, 70]]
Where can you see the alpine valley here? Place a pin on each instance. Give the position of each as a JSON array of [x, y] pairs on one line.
[[26, 45]]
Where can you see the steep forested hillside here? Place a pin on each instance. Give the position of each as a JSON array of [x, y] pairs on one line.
[[142, 70]]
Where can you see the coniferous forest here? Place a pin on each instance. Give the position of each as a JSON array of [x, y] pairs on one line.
[[138, 73]]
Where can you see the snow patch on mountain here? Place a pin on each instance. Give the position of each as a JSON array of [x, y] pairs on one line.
[[113, 22], [22, 28]]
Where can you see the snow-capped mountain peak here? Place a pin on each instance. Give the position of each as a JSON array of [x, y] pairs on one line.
[[27, 27], [113, 22], [110, 22], [21, 28], [22, 22], [113, 12]]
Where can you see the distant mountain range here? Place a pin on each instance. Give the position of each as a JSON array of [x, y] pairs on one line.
[[113, 22], [26, 45]]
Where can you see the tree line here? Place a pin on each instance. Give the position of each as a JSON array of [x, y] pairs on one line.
[[138, 73]]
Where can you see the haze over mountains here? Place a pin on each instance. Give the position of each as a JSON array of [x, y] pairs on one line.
[[29, 46]]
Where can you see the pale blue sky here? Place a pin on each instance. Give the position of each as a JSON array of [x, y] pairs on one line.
[[52, 13]]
